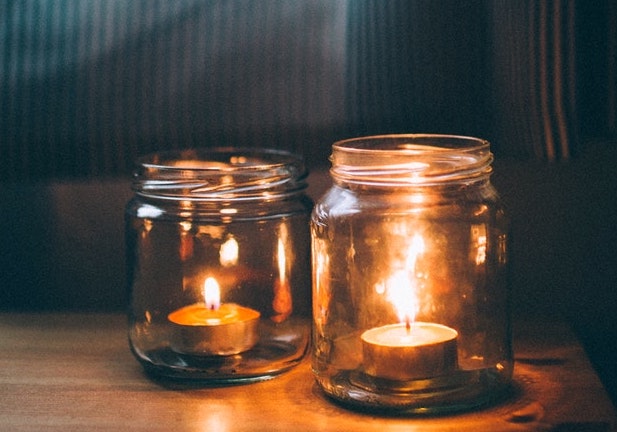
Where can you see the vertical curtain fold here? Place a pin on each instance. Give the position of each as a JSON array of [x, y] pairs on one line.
[[416, 66], [534, 76], [86, 86]]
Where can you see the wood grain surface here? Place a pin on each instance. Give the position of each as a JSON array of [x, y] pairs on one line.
[[75, 372]]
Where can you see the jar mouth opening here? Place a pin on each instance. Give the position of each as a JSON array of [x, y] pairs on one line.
[[411, 159], [219, 173], [412, 143], [218, 159]]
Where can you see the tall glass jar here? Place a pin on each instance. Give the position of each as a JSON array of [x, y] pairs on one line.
[[410, 296], [218, 264]]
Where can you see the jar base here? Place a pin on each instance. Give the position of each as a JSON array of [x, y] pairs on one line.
[[261, 363], [458, 392]]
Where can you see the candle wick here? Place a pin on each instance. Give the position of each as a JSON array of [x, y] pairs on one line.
[[212, 306], [407, 324]]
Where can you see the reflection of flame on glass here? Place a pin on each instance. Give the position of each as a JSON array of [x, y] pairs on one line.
[[282, 302], [228, 254], [281, 260], [416, 248], [401, 286], [481, 256], [186, 240], [323, 296], [212, 293], [478, 233]]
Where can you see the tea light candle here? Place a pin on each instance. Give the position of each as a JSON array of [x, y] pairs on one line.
[[211, 328], [408, 351]]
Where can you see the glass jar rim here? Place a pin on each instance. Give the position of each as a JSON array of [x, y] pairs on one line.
[[410, 159], [220, 173]]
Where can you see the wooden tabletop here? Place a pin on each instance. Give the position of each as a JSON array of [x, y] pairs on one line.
[[75, 372]]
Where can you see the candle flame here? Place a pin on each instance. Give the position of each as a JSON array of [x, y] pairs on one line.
[[228, 253], [400, 291], [401, 287], [212, 293]]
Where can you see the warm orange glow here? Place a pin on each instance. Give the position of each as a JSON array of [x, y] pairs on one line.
[[481, 254], [415, 249], [479, 242], [282, 301], [212, 293], [281, 260], [400, 291], [402, 286], [228, 253], [323, 294]]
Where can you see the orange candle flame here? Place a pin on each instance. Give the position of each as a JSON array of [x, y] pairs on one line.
[[212, 294], [401, 287]]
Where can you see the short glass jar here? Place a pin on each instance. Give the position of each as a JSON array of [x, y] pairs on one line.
[[218, 250], [410, 293]]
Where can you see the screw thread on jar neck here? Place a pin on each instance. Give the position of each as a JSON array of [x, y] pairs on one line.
[[410, 160], [239, 174]]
